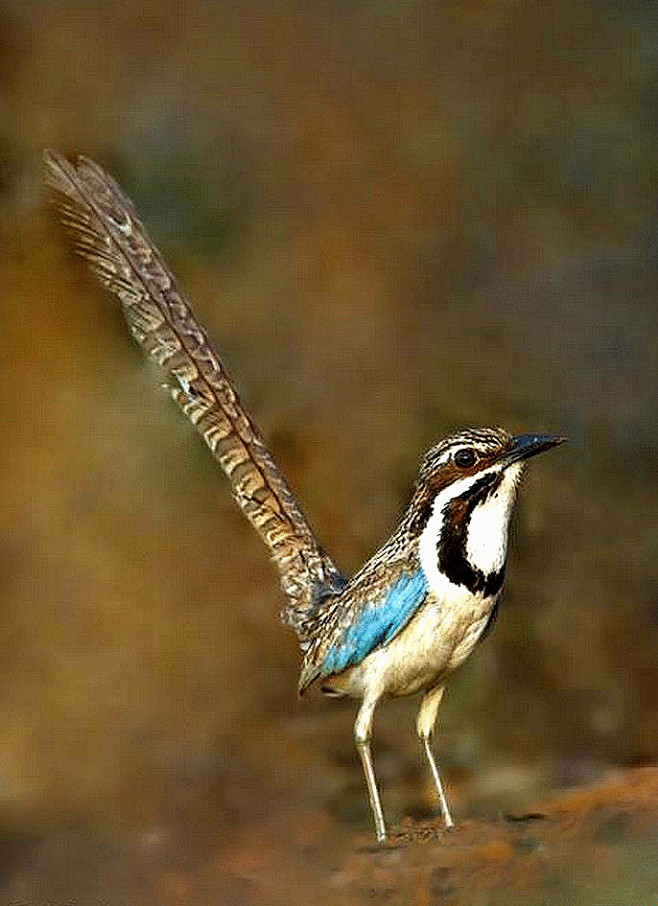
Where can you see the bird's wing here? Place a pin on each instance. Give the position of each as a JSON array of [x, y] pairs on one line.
[[108, 233], [362, 620]]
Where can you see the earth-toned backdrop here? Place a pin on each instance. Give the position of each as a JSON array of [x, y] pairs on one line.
[[396, 220]]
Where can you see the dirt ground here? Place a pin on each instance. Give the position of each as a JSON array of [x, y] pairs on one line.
[[593, 846]]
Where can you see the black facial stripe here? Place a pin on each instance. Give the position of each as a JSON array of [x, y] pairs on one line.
[[451, 548], [484, 487]]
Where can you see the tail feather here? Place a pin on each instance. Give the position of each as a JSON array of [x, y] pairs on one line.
[[108, 233]]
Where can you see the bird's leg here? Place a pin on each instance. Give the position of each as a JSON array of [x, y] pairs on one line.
[[362, 733], [424, 726]]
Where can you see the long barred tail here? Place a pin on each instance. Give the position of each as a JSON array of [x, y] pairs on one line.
[[107, 232]]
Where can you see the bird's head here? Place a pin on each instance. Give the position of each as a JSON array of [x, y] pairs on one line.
[[464, 496], [461, 458]]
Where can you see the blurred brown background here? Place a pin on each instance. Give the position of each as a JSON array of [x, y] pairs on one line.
[[396, 219]]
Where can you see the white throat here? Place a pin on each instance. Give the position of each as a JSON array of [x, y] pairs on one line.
[[486, 542]]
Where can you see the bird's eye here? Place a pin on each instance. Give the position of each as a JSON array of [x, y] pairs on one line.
[[465, 457]]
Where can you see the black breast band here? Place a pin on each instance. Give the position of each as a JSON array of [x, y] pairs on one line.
[[453, 562]]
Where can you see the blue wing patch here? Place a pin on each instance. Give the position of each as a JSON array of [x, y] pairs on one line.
[[377, 623]]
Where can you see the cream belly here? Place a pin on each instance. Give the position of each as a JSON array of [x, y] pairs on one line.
[[435, 641]]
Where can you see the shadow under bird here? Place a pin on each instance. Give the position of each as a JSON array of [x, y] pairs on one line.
[[417, 608]]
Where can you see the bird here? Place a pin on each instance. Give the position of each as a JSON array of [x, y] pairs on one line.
[[419, 606]]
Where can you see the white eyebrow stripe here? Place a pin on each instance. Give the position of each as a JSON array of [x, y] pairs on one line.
[[481, 446]]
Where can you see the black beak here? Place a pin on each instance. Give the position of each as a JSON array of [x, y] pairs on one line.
[[527, 445]]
